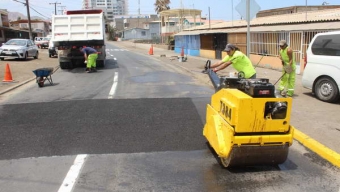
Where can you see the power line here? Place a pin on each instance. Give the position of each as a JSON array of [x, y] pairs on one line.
[[39, 13]]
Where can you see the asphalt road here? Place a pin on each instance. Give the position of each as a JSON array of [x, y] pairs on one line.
[[147, 137]]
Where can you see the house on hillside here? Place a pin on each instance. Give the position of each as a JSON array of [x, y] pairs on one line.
[[39, 27], [6, 31], [265, 33]]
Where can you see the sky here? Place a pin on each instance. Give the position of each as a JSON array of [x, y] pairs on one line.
[[219, 9]]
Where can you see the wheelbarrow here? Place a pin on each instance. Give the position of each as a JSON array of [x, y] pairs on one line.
[[43, 74]]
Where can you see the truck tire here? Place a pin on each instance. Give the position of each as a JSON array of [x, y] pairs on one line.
[[63, 65], [100, 63]]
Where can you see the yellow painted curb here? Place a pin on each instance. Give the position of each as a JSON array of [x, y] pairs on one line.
[[318, 148]]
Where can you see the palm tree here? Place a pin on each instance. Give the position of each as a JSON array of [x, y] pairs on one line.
[[162, 5]]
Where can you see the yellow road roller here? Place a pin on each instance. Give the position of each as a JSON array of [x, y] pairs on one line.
[[246, 123]]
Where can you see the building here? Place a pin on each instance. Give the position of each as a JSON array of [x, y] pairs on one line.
[[293, 9], [8, 32], [41, 28], [137, 34], [265, 33], [121, 22], [111, 8]]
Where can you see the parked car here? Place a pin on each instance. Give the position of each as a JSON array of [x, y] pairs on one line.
[[42, 42], [322, 72], [19, 48]]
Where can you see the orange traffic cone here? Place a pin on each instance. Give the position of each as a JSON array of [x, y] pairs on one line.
[[8, 75], [182, 52], [151, 50]]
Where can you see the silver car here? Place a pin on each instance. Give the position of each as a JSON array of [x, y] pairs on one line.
[[19, 48]]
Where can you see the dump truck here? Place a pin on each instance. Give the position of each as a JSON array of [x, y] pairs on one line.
[[76, 29], [247, 122]]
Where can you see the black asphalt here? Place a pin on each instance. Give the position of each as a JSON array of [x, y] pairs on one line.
[[99, 127]]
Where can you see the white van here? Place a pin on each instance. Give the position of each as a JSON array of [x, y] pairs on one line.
[[322, 72]]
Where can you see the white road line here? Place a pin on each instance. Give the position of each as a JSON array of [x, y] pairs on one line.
[[114, 86], [72, 175]]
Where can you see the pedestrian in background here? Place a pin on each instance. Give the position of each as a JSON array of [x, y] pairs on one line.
[[287, 83], [90, 55], [238, 60]]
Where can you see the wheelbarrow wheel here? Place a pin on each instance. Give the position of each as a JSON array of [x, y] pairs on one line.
[[41, 82]]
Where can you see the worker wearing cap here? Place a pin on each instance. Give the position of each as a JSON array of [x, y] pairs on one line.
[[90, 56], [287, 82], [238, 60]]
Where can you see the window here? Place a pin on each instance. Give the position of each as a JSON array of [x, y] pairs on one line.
[[143, 33], [327, 45]]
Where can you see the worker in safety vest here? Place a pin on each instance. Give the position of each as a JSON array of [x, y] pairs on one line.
[[287, 82], [90, 56], [238, 60]]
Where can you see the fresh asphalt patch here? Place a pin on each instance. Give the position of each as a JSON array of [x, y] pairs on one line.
[[99, 127]]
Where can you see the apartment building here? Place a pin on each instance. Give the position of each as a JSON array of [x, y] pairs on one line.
[[111, 8]]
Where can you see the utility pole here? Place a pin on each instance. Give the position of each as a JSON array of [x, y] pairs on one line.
[[55, 7], [138, 7], [138, 11], [28, 17], [62, 8], [29, 20], [306, 11]]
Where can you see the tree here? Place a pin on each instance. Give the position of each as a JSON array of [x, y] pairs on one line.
[[162, 5]]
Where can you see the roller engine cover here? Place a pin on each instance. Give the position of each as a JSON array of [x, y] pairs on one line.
[[257, 88]]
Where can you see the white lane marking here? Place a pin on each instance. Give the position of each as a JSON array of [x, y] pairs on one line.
[[73, 173], [114, 86]]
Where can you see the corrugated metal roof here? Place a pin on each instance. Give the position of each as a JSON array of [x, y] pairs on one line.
[[312, 16], [176, 12], [270, 28]]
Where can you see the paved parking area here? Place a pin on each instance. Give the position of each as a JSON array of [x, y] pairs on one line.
[[22, 71]]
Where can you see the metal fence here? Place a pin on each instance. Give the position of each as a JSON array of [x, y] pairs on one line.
[[267, 43]]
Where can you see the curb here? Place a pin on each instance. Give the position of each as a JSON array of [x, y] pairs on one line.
[[318, 148], [25, 82]]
